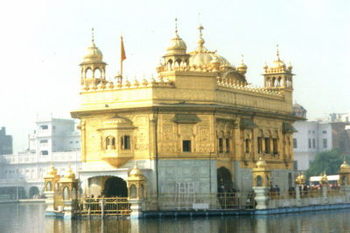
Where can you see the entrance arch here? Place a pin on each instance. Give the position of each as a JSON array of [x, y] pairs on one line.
[[33, 192], [224, 179], [115, 187]]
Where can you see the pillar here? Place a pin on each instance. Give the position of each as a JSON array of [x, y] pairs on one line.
[[300, 182], [68, 186], [136, 189], [261, 182], [50, 190]]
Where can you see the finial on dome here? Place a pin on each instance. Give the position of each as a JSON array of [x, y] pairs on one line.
[[200, 28], [176, 31], [201, 40], [93, 35], [277, 52], [242, 68]]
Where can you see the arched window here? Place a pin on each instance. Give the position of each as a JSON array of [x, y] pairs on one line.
[[259, 181], [97, 73], [133, 191], [74, 193], [88, 73], [170, 64], [142, 191], [65, 193], [48, 186], [110, 143]]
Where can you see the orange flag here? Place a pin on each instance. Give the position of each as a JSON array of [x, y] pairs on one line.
[[122, 50]]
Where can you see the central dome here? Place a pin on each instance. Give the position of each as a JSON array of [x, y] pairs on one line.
[[203, 57]]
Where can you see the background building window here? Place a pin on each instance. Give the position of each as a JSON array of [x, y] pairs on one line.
[[313, 143], [295, 143], [43, 141], [44, 127], [186, 146], [44, 152], [309, 143], [324, 131], [325, 143]]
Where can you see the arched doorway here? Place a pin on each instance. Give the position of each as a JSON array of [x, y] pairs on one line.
[[226, 193], [115, 187], [33, 192], [225, 183]]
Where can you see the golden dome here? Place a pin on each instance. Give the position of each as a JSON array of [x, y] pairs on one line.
[[242, 68], [52, 172], [300, 179], [203, 57], [345, 165], [177, 45], [261, 163], [278, 65], [324, 178], [70, 174], [93, 54], [136, 172]]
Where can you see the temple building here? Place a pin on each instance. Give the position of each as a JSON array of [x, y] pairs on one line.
[[197, 129]]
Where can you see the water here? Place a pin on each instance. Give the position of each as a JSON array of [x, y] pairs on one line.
[[29, 218]]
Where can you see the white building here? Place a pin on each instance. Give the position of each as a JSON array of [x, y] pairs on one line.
[[313, 137], [53, 142]]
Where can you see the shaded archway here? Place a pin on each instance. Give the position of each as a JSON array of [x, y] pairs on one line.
[[33, 192], [115, 187], [224, 179]]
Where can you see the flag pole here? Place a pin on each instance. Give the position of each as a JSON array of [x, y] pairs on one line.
[[122, 56]]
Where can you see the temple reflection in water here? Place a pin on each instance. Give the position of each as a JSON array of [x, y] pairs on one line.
[[309, 222]]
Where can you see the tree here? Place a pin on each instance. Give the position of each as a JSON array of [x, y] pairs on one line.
[[326, 161]]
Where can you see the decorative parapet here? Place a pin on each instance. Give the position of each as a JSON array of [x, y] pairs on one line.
[[195, 68], [145, 83], [241, 86]]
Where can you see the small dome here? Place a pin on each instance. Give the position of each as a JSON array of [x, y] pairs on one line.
[[176, 46], [135, 172], [345, 165], [70, 174], [52, 172], [242, 68], [324, 179], [278, 65], [93, 54], [299, 110], [261, 163], [300, 179]]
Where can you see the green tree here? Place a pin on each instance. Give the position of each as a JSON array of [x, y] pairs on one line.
[[327, 161]]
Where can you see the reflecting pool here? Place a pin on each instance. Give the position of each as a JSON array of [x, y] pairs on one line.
[[29, 218]]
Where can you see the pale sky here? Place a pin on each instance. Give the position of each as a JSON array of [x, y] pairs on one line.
[[44, 41]]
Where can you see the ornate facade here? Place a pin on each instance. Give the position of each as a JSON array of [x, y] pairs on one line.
[[198, 128]]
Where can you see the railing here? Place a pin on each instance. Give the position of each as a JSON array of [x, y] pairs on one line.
[[201, 201], [306, 193], [105, 206]]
